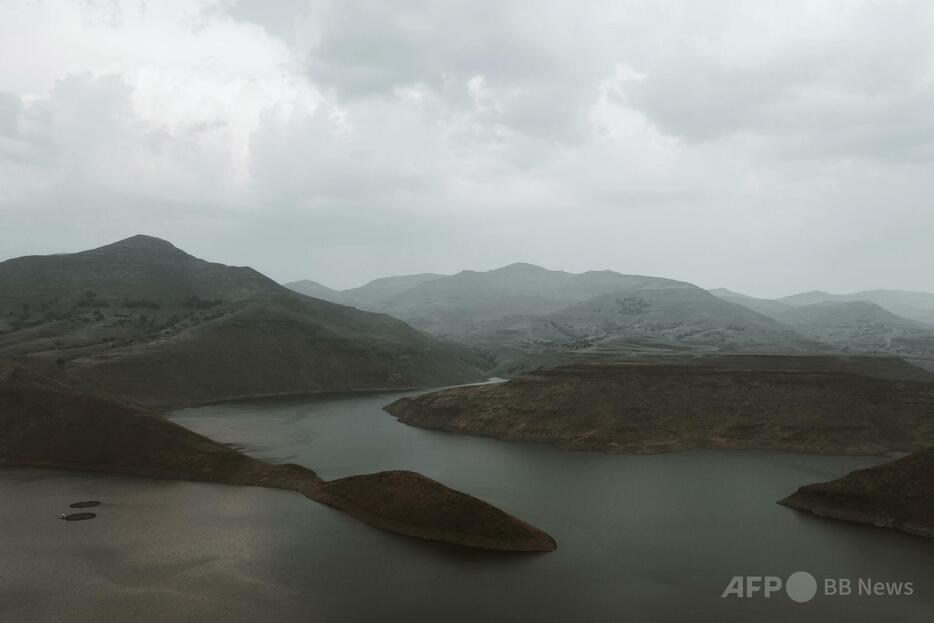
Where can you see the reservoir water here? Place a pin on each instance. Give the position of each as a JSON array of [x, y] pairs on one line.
[[640, 538]]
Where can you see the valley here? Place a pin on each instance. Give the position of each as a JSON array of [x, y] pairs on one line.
[[96, 346]]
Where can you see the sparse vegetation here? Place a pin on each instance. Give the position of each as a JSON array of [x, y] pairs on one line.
[[90, 299], [197, 302], [140, 304], [632, 305]]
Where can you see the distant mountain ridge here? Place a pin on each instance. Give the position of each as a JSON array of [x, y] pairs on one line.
[[768, 307], [667, 319], [461, 305], [314, 290], [862, 326], [524, 308], [372, 295], [151, 324], [908, 304], [456, 306]]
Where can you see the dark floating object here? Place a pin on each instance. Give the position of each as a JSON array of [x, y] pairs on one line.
[[87, 504], [78, 516]]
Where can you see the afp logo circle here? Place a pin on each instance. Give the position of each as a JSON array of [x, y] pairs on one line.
[[800, 586]]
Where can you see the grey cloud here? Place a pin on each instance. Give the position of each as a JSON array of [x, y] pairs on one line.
[[864, 89], [369, 48], [748, 144], [523, 51], [10, 110], [311, 159], [87, 131], [24, 139], [856, 80], [279, 17]]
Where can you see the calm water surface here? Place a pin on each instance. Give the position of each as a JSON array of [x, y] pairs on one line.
[[641, 538]]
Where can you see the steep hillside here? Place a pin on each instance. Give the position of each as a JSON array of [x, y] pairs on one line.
[[151, 324], [46, 424], [860, 326]]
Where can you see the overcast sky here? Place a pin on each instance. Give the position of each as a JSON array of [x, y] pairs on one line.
[[768, 147]]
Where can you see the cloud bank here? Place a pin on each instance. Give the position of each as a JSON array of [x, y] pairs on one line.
[[764, 147]]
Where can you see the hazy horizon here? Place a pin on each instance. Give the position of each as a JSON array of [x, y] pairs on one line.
[[765, 149], [355, 285]]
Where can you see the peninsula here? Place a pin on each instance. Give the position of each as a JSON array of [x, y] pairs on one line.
[[823, 404], [47, 424], [897, 495]]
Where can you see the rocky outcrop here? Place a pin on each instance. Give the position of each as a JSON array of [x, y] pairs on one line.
[[46, 424]]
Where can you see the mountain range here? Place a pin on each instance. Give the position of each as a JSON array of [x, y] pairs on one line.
[[917, 306], [523, 311], [527, 309], [912, 305], [893, 324], [145, 322]]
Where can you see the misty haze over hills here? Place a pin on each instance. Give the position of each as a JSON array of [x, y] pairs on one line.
[[140, 316], [522, 308], [529, 308], [145, 321], [379, 292], [914, 305]]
